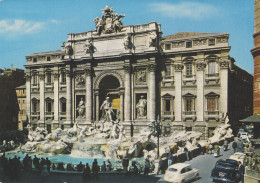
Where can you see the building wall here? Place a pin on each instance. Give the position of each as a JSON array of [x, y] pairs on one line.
[[22, 114], [186, 79], [9, 80]]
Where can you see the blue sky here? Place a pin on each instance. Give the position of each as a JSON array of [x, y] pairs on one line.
[[33, 26]]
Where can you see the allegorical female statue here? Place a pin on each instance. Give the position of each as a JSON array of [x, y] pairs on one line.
[[141, 107], [81, 108]]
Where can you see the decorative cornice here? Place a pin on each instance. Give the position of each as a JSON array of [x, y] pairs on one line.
[[200, 65], [178, 67], [152, 67]]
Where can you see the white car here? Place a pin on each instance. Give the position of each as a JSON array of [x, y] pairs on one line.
[[238, 156], [245, 135], [180, 173]]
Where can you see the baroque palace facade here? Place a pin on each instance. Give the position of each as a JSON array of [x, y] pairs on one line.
[[188, 79]]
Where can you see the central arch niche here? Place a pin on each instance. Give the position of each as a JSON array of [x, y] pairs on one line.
[[109, 87]]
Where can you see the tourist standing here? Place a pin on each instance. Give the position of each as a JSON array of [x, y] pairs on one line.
[[109, 165], [146, 166], [95, 169], [125, 164], [234, 146], [103, 167], [36, 162], [240, 146], [86, 174], [48, 163], [241, 171], [170, 159], [80, 167], [187, 153]]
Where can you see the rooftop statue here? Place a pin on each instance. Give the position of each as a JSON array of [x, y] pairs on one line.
[[109, 22]]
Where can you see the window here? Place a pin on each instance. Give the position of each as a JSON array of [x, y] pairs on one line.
[[189, 69], [34, 79], [212, 67], [167, 105], [189, 44], [63, 77], [168, 46], [35, 104], [48, 105], [168, 71], [211, 42], [48, 58], [48, 78], [34, 59], [63, 104], [188, 104], [211, 104]]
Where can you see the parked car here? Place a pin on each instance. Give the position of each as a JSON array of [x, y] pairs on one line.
[[225, 170], [244, 135], [180, 172], [238, 156]]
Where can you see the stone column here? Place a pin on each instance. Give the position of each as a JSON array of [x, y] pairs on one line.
[[56, 97], [28, 96], [224, 64], [121, 105], [69, 98], [127, 93], [178, 91], [89, 96], [42, 98], [200, 90], [152, 92], [97, 104]]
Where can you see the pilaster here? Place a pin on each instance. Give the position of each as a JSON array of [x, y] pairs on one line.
[[152, 91], [224, 65], [200, 65], [28, 95], [178, 91], [89, 96], [42, 97], [56, 96], [127, 101], [69, 98]]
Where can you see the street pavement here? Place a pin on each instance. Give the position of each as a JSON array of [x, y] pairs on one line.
[[204, 163]]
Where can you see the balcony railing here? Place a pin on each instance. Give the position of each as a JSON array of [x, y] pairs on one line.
[[168, 113], [35, 113], [62, 113], [212, 113], [189, 113], [49, 113]]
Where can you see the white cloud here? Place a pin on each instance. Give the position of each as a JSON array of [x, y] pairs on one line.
[[18, 26], [1, 0], [193, 10], [54, 21]]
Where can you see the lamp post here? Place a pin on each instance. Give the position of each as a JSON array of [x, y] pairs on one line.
[[157, 130]]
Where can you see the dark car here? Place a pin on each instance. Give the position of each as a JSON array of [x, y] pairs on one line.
[[225, 170]]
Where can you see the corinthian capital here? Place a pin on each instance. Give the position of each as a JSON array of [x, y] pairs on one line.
[[152, 67], [178, 67], [223, 64], [200, 65]]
